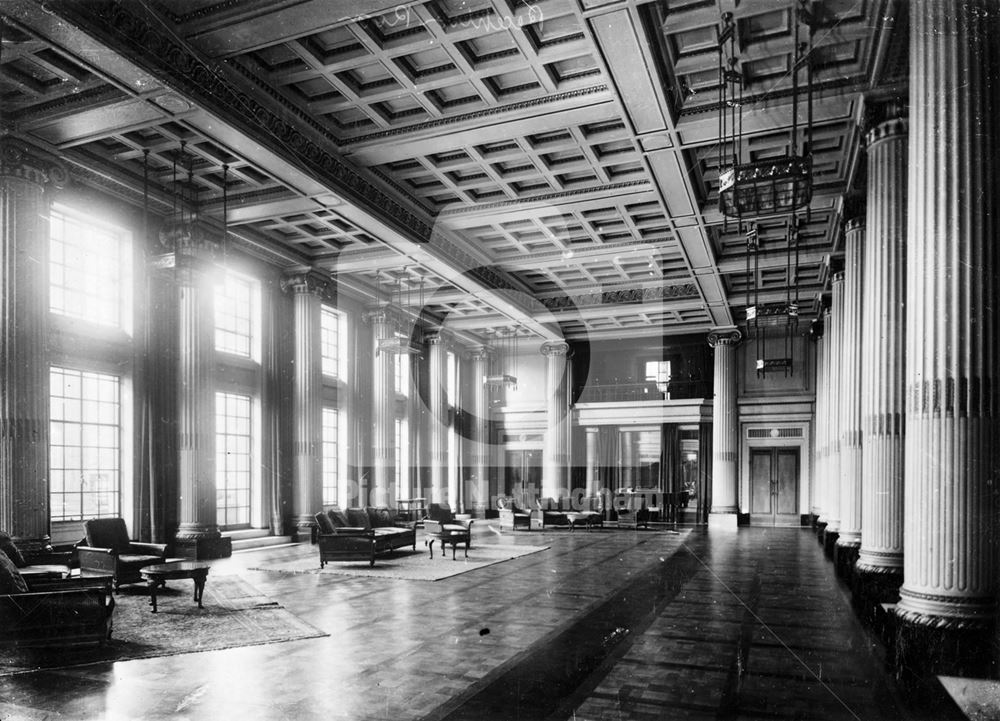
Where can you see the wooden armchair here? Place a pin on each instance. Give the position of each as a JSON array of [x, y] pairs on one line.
[[110, 552], [511, 516], [57, 613]]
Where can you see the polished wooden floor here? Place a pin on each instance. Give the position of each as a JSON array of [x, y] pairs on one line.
[[610, 624]]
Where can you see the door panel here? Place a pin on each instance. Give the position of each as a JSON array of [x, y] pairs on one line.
[[788, 480], [760, 480]]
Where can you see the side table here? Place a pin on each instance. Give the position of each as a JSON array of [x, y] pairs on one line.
[[160, 573]]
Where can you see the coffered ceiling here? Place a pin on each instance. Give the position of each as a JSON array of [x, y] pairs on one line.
[[551, 164]]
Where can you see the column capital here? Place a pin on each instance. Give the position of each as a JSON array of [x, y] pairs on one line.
[[554, 348], [854, 224], [189, 238], [381, 314], [480, 353], [24, 161], [725, 337], [436, 336], [888, 129], [307, 281], [837, 278]]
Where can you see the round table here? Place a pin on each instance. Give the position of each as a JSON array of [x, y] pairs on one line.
[[160, 573]]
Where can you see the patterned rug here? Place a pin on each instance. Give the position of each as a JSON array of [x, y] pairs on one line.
[[407, 564], [234, 614]]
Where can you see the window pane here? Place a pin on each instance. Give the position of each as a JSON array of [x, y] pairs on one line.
[[330, 457], [330, 323], [234, 309], [87, 270], [233, 458], [84, 450]]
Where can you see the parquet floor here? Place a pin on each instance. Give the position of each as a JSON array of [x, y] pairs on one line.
[[611, 624]]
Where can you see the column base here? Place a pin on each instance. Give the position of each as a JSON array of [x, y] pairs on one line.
[[723, 522], [820, 529], [845, 555], [305, 529], [933, 646], [873, 587], [204, 548], [830, 542]]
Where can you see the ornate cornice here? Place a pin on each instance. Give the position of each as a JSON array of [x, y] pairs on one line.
[[208, 86], [769, 98], [22, 161], [728, 337], [622, 295], [478, 114], [100, 95], [544, 197]]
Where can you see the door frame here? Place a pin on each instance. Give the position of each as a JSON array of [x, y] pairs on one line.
[[773, 518], [779, 432]]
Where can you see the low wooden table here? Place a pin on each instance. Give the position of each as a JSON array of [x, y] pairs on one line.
[[160, 573]]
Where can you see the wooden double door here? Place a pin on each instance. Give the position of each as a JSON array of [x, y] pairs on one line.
[[774, 486]]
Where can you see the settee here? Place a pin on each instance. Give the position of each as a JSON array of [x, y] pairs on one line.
[[42, 609], [362, 534], [568, 512]]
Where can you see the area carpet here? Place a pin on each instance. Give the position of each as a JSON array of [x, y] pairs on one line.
[[406, 564], [234, 614]]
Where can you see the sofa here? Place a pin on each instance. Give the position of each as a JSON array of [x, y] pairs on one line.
[[362, 534], [37, 562], [568, 512], [40, 610]]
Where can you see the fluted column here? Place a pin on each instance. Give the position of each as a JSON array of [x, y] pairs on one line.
[[307, 394], [278, 505], [725, 429], [628, 458], [593, 482], [819, 435], [947, 602], [849, 538], [26, 176], [555, 450], [833, 333], [479, 446], [194, 252], [438, 403], [383, 412], [879, 570]]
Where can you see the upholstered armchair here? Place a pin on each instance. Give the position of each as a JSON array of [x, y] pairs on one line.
[[511, 516], [110, 552], [441, 525]]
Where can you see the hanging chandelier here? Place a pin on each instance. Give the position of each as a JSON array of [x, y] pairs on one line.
[[502, 370], [753, 189], [391, 338], [770, 186]]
